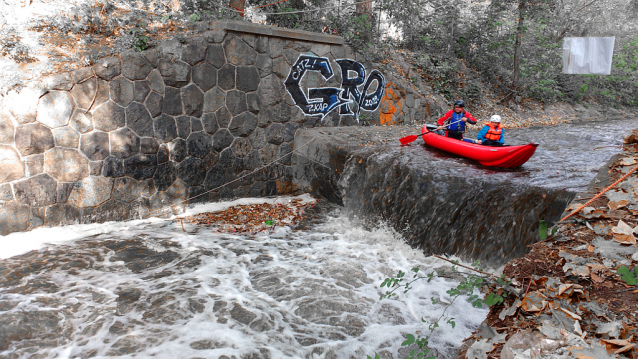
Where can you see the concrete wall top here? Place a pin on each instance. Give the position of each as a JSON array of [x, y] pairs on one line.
[[266, 30]]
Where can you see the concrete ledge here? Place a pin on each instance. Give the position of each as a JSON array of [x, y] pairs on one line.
[[267, 30]]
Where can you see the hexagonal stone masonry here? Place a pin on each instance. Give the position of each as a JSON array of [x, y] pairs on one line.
[[236, 102], [109, 116], [192, 100], [223, 117], [154, 103], [11, 167], [95, 145], [162, 153], [196, 125], [247, 78], [264, 65], [135, 66], [95, 168], [55, 109], [141, 89], [107, 68], [7, 130], [222, 139], [253, 102], [65, 165], [124, 143], [6, 194], [164, 128], [194, 52], [175, 74], [121, 90], [205, 76], [128, 190], [37, 191], [215, 55], [243, 124], [140, 166], [81, 121], [209, 121], [62, 81], [199, 144], [139, 120], [156, 82], [81, 74], [12, 218], [276, 47], [165, 175], [183, 126], [226, 77], [172, 104], [91, 191], [35, 164], [241, 146], [66, 137], [214, 99], [191, 171], [85, 95], [178, 150], [149, 145], [275, 133], [239, 52], [112, 167], [270, 90], [33, 138]]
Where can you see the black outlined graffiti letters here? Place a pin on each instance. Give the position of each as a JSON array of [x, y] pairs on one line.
[[321, 101]]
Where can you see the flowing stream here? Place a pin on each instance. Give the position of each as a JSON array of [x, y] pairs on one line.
[[148, 288]]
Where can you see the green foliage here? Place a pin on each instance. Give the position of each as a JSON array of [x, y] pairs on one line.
[[194, 17], [627, 275], [139, 41]]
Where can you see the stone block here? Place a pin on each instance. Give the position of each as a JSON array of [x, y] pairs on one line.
[[33, 138], [172, 104], [14, 218], [183, 126], [154, 104], [258, 138], [227, 159], [194, 52], [178, 150], [149, 145], [156, 82], [95, 168], [222, 139], [55, 109], [276, 47], [82, 74], [215, 36], [211, 159], [61, 214], [214, 178], [192, 100], [281, 113], [175, 74], [81, 121], [11, 167], [261, 44], [209, 121], [214, 99], [177, 191], [264, 118], [270, 90], [108, 68], [241, 146], [141, 89], [109, 116], [205, 76], [281, 67], [7, 130], [66, 137], [264, 65], [320, 49], [215, 55], [91, 192], [253, 102], [127, 190], [95, 145], [275, 133], [135, 66], [113, 167], [63, 191], [243, 125], [269, 153], [65, 165], [124, 143], [236, 102], [290, 130], [223, 117], [152, 56], [6, 193], [165, 175], [247, 78], [196, 125], [337, 51], [191, 171], [35, 164], [285, 153], [226, 77], [140, 166], [139, 120], [23, 105], [162, 153], [291, 55], [164, 128], [37, 191], [253, 160], [85, 96], [121, 90], [199, 144], [62, 82]]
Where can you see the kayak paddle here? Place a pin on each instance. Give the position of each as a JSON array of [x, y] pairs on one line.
[[408, 139]]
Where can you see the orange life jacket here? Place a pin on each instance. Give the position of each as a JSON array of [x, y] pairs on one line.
[[494, 133]]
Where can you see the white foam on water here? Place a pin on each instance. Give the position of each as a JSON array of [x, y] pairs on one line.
[[313, 293]]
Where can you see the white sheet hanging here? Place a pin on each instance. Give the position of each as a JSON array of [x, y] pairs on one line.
[[588, 55]]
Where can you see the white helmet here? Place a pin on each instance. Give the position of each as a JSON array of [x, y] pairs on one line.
[[495, 118]]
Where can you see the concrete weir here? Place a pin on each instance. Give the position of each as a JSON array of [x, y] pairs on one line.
[[439, 205]]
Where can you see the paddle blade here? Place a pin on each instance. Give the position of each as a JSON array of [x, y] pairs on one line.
[[407, 139]]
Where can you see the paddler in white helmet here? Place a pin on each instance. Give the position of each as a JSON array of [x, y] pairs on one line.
[[492, 134]]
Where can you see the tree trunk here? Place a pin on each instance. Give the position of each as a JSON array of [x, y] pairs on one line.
[[238, 5], [517, 44], [364, 12]]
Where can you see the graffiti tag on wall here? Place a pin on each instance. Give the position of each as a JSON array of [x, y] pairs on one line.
[[353, 90]]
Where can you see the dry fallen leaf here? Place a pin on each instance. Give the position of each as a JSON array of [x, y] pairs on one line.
[[596, 279], [623, 233], [616, 205]]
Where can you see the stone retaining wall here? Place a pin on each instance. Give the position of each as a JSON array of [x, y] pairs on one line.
[[135, 133]]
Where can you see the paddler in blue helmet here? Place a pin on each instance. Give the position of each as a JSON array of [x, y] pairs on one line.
[[457, 118]]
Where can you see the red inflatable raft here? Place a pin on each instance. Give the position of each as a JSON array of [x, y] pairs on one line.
[[504, 157]]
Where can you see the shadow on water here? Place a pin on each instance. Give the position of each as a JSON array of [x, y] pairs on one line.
[[447, 204]]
